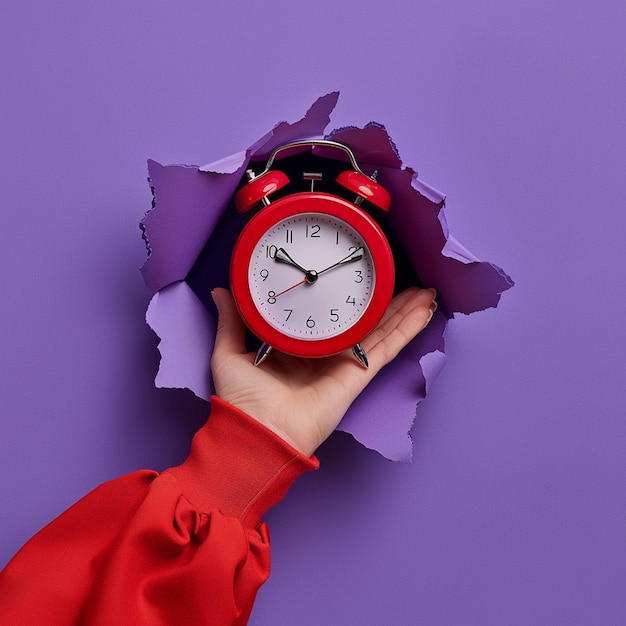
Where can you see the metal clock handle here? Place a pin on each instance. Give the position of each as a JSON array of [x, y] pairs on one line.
[[323, 143]]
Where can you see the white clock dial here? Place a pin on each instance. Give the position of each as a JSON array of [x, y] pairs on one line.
[[311, 276]]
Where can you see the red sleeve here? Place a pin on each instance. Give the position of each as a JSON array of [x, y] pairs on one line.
[[186, 546]]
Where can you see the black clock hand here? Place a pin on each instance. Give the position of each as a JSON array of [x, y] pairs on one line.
[[283, 257], [355, 255]]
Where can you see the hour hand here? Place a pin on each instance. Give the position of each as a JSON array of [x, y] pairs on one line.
[[282, 256]]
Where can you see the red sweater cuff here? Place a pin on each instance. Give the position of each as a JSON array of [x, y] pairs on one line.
[[238, 466]]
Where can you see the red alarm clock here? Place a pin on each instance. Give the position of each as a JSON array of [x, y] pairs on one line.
[[311, 273]]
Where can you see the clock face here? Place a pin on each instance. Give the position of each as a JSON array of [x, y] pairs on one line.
[[311, 276]]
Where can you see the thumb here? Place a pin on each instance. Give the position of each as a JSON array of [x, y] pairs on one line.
[[231, 332]]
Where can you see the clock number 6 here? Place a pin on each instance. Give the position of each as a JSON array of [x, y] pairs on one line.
[[310, 323]]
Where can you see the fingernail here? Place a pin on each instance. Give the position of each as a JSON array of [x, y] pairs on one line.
[[215, 298], [433, 305]]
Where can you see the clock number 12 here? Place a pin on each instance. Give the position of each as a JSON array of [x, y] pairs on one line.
[[312, 230]]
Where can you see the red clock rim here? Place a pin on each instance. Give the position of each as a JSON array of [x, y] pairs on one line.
[[333, 206]]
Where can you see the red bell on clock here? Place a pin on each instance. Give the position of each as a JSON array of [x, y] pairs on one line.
[[312, 273]]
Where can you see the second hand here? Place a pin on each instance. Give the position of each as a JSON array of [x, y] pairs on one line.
[[304, 280]]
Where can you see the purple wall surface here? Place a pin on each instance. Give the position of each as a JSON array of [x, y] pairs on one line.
[[513, 510]]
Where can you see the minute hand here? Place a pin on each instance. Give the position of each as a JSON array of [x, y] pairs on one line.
[[355, 255]]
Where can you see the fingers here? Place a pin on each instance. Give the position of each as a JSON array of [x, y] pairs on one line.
[[407, 315], [231, 333]]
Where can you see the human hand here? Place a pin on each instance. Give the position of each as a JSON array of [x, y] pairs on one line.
[[303, 400]]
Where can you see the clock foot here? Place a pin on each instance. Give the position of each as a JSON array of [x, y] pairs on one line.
[[262, 353], [359, 353]]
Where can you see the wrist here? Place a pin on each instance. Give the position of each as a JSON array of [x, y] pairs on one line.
[[238, 465]]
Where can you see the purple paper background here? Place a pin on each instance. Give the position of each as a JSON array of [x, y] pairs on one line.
[[514, 509], [193, 216]]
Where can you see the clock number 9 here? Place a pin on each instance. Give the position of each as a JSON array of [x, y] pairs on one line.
[[264, 274]]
